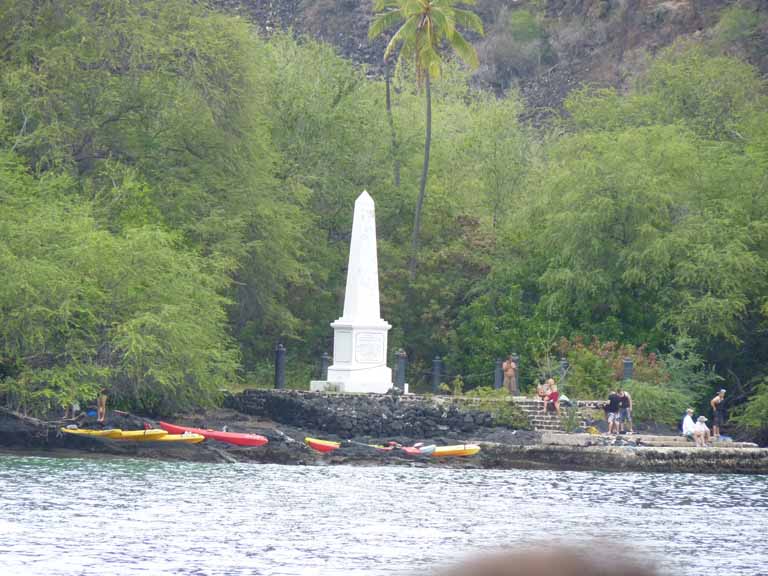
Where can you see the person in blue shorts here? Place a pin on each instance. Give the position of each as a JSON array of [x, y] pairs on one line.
[[625, 411]]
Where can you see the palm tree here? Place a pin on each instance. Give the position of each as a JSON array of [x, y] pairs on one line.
[[425, 27]]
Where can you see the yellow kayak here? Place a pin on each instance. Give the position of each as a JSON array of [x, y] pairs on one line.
[[110, 433], [151, 434], [321, 445], [188, 438], [457, 450]]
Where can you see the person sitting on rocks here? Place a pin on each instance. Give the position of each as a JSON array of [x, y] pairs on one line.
[[552, 401], [542, 390], [701, 432], [688, 424]]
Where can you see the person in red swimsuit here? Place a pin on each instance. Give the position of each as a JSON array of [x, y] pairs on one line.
[[552, 399]]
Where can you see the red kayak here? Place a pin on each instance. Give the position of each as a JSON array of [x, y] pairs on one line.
[[240, 439]]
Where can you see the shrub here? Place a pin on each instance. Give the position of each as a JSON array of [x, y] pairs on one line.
[[590, 376], [504, 412], [754, 414], [654, 403]]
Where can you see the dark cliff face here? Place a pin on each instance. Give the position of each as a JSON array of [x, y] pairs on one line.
[[545, 48]]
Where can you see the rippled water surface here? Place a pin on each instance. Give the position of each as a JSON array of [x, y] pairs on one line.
[[127, 517]]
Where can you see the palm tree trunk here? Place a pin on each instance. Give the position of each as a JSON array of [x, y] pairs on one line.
[[395, 152], [423, 185]]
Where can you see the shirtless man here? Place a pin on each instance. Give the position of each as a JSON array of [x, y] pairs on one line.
[[510, 372], [718, 412], [101, 405]]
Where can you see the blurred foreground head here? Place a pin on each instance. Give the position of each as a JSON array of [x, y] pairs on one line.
[[550, 562]]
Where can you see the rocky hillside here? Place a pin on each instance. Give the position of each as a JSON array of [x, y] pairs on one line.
[[545, 48]]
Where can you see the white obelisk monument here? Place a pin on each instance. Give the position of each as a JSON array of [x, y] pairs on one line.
[[360, 335]]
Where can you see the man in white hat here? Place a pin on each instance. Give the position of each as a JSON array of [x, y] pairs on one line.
[[688, 424], [701, 432]]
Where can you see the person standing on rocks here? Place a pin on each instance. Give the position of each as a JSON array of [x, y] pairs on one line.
[[101, 406], [718, 412], [625, 410], [614, 404], [510, 375]]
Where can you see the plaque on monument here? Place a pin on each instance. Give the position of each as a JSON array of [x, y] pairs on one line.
[[369, 348]]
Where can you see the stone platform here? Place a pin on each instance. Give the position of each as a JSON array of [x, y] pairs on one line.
[[718, 460], [502, 448]]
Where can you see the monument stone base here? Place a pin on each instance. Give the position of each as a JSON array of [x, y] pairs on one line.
[[323, 386], [348, 387], [359, 354]]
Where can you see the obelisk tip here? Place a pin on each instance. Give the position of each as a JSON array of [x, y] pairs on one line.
[[364, 197]]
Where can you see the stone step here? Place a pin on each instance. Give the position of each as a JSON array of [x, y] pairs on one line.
[[543, 418], [541, 423], [544, 422], [531, 408]]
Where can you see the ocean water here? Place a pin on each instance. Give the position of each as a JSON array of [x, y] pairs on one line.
[[128, 517]]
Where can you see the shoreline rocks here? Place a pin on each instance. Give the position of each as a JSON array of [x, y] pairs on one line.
[[502, 448], [381, 415]]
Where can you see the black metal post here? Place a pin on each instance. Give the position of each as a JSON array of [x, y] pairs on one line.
[[402, 363], [516, 383], [437, 373], [498, 377], [325, 361], [628, 369], [280, 366]]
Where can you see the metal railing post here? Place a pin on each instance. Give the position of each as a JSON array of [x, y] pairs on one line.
[[280, 366]]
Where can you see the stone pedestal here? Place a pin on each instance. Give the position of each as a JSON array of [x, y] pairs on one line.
[[360, 357], [360, 335]]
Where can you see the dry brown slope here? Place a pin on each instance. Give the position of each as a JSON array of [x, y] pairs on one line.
[[575, 42]]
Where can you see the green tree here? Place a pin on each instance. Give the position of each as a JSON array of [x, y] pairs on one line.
[[82, 307], [161, 112], [754, 413], [423, 27]]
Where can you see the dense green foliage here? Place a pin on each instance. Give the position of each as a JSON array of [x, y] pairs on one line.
[[176, 196], [84, 308]]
